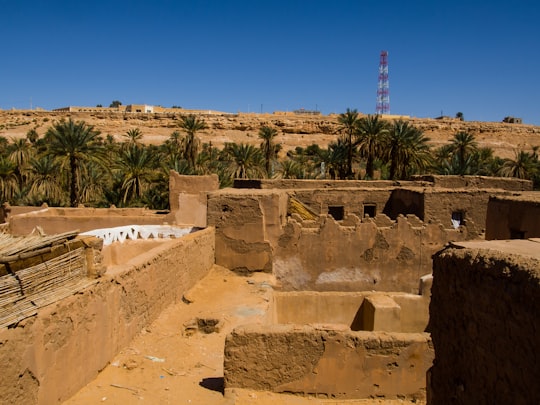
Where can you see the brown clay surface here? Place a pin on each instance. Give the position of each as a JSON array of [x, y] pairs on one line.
[[192, 367]]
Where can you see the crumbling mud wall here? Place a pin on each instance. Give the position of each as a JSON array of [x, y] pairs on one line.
[[248, 224], [187, 197], [332, 363], [50, 356], [484, 316], [59, 220], [478, 182], [513, 217], [372, 254]]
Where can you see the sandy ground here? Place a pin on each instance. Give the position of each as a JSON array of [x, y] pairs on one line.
[[163, 365]]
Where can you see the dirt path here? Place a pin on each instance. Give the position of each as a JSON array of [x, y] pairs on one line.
[[164, 365]]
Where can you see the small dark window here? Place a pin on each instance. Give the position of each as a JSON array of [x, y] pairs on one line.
[[458, 218], [517, 234], [337, 212], [370, 210]]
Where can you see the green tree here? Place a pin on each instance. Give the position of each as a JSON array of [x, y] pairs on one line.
[[74, 143], [115, 104], [191, 124], [32, 136], [407, 150], [246, 161], [133, 136], [46, 185], [371, 133], [20, 153], [463, 146], [289, 169], [459, 116], [525, 165], [335, 159], [8, 180], [268, 147], [137, 168], [348, 122]]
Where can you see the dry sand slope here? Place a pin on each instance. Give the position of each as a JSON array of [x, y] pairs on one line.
[[293, 130]]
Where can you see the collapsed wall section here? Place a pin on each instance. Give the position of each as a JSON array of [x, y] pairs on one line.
[[484, 315], [50, 356]]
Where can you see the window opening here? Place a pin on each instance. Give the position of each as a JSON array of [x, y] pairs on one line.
[[458, 218], [336, 211], [370, 210]]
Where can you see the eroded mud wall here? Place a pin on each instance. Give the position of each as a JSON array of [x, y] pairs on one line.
[[374, 254], [248, 224], [48, 357], [334, 363], [484, 314]]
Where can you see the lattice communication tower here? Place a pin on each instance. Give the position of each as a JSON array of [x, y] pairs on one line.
[[383, 92]]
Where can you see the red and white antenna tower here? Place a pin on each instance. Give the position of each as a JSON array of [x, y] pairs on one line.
[[383, 92]]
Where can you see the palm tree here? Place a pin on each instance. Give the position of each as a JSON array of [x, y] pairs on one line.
[[268, 147], [371, 134], [94, 180], [348, 122], [74, 143], [245, 160], [137, 168], [134, 136], [173, 145], [21, 152], [46, 186], [524, 166], [191, 125], [463, 145], [8, 180], [335, 159], [407, 150], [289, 169]]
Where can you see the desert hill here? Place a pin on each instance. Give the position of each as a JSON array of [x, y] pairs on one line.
[[294, 130]]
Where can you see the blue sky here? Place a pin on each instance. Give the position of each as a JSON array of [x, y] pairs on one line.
[[481, 58]]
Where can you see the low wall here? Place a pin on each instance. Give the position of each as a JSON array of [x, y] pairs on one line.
[[50, 356], [298, 184], [484, 315], [352, 309], [59, 220], [480, 182], [502, 183], [372, 254], [327, 362]]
